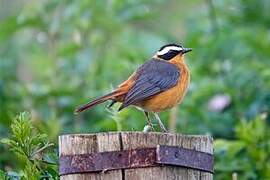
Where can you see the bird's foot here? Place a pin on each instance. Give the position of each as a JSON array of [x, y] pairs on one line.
[[164, 129], [149, 128]]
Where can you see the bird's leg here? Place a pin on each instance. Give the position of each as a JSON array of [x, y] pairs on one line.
[[160, 123], [149, 121]]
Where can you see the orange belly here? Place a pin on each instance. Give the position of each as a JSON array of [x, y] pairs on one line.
[[170, 97]]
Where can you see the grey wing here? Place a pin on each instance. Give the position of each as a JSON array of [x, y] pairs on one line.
[[153, 77]]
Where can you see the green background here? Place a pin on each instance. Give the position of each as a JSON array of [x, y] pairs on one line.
[[56, 55]]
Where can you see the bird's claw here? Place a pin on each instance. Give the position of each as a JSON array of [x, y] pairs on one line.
[[147, 128]]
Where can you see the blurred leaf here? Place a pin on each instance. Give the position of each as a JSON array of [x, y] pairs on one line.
[[249, 155], [12, 24]]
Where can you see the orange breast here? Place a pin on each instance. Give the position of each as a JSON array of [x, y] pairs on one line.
[[170, 97]]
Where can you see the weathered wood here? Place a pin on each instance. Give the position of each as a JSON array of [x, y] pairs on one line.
[[90, 143], [100, 142]]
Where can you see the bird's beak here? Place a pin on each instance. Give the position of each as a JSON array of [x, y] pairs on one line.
[[186, 50]]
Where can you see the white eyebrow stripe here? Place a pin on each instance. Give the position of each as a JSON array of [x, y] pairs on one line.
[[167, 49]]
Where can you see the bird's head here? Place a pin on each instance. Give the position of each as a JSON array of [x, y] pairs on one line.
[[169, 51]]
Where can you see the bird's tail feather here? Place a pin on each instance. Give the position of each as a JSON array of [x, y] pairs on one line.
[[98, 101]]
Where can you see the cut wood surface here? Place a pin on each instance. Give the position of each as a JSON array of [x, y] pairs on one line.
[[116, 141]]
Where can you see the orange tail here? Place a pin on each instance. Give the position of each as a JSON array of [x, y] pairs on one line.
[[98, 101]]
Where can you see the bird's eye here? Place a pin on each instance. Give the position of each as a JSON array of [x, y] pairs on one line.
[[169, 55]]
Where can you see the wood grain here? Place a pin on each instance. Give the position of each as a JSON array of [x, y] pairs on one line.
[[90, 143], [100, 142]]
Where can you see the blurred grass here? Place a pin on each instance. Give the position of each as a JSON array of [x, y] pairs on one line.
[[55, 55]]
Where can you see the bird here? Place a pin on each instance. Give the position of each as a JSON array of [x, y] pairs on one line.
[[156, 86]]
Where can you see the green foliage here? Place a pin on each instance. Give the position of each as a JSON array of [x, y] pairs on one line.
[[3, 175], [31, 147], [56, 55], [249, 155]]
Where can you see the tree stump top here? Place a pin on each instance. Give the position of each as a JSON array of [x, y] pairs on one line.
[[75, 144]]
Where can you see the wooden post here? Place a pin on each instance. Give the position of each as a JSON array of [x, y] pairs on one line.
[[117, 141]]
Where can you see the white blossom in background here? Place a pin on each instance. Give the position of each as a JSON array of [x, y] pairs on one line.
[[219, 102]]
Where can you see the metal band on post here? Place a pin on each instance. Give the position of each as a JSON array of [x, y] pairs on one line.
[[136, 158]]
